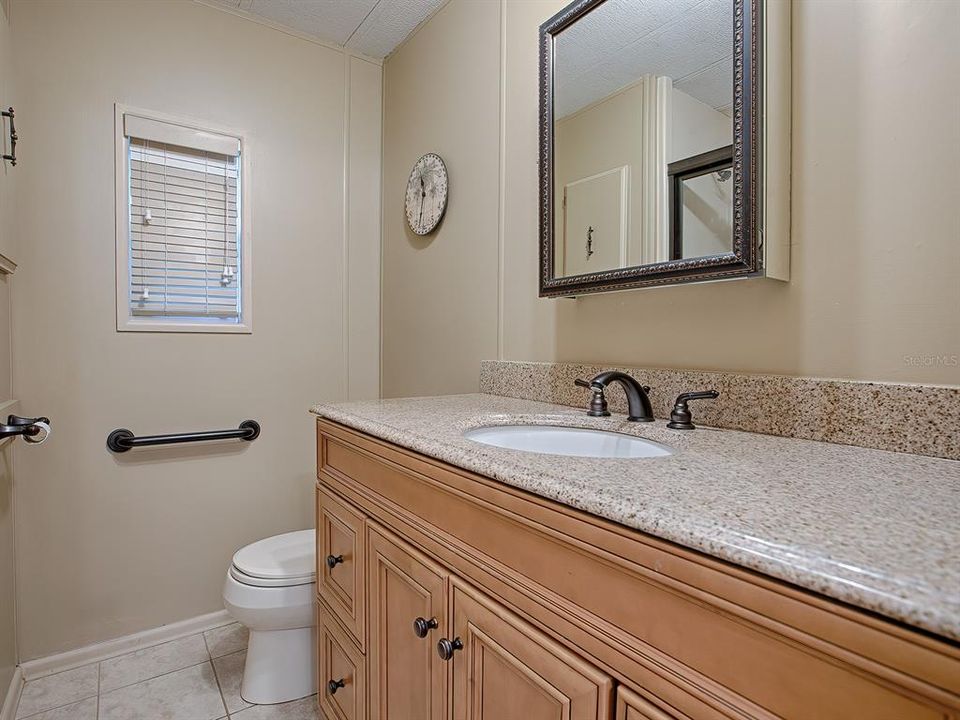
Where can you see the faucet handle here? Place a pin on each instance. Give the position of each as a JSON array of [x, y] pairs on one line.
[[598, 403], [680, 417]]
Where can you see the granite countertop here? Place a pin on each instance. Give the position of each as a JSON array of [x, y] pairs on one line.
[[872, 528]]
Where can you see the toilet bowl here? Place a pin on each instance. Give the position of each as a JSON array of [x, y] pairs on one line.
[[270, 588]]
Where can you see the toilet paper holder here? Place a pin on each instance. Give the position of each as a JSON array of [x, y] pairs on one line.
[[17, 425]]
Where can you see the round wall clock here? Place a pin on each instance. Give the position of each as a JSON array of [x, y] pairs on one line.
[[426, 199]]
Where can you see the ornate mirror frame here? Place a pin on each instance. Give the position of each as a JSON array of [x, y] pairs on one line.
[[747, 257]]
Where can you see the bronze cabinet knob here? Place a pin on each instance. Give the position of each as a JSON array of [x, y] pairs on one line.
[[446, 648], [334, 685], [421, 626], [334, 560]]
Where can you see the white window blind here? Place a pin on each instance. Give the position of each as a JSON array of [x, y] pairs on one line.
[[184, 225], [147, 128]]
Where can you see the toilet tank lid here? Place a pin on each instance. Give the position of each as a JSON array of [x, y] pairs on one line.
[[291, 555]]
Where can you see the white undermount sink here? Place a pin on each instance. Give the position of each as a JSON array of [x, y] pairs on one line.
[[579, 442]]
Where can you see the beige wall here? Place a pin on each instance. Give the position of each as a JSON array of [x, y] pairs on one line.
[[8, 627], [362, 250], [8, 585], [441, 94], [112, 544], [874, 293], [8, 634], [695, 127], [7, 171]]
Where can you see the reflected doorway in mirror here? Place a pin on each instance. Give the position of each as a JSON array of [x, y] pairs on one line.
[[595, 223]]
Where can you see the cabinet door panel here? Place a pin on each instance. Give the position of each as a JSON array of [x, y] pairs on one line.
[[407, 678], [509, 670], [340, 537], [631, 706]]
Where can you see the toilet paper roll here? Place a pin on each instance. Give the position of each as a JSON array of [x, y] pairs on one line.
[[40, 436]]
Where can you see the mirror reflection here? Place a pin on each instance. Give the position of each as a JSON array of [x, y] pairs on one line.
[[643, 96]]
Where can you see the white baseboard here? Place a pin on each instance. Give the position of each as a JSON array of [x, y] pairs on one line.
[[33, 669], [8, 711]]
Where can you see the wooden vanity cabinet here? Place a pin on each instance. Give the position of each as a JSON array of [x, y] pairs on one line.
[[631, 706], [408, 615], [343, 672], [547, 612], [341, 542], [505, 668], [502, 667]]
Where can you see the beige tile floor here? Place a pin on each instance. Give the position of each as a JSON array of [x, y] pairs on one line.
[[194, 678]]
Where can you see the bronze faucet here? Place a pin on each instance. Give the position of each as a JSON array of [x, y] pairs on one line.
[[638, 404]]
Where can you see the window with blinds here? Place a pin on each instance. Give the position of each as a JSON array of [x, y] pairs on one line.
[[184, 225]]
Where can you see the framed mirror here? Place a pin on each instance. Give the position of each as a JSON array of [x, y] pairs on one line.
[[653, 126]]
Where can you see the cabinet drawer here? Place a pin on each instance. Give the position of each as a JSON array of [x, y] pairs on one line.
[[341, 560], [631, 706], [342, 687]]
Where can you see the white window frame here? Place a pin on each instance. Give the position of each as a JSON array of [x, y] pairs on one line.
[[126, 322]]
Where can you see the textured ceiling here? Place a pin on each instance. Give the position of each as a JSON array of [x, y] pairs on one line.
[[372, 27], [689, 41]]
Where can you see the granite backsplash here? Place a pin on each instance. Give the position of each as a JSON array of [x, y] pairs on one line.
[[918, 419]]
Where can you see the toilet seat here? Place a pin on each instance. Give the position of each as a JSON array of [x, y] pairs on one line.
[[284, 560], [245, 579]]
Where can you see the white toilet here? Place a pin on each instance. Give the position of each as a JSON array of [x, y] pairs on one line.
[[271, 588]]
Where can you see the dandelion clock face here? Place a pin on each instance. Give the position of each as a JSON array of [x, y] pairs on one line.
[[426, 199]]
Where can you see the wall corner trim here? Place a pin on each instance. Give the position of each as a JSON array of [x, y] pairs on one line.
[[6, 408], [8, 711], [502, 179]]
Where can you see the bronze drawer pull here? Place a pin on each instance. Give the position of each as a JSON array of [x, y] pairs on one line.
[[334, 560], [446, 648], [421, 627], [335, 685]]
